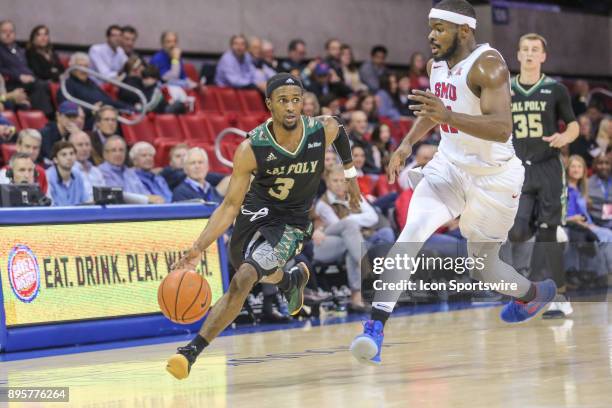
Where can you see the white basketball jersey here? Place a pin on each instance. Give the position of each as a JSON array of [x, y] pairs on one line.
[[466, 151]]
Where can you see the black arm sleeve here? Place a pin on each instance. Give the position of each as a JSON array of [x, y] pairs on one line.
[[564, 104], [342, 144]]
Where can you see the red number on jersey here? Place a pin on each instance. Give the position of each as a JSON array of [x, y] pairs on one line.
[[447, 128]]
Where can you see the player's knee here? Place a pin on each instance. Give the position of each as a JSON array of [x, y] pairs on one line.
[[244, 279]]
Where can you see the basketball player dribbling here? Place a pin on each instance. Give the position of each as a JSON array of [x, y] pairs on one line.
[[475, 174], [274, 182]]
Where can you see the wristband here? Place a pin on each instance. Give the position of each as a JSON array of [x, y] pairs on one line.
[[350, 172], [175, 61]]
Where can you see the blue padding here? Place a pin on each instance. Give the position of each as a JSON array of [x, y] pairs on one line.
[[59, 215], [37, 337]]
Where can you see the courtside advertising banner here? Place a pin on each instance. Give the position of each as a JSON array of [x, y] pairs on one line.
[[72, 272]]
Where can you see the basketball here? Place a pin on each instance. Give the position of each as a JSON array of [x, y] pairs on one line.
[[184, 296]]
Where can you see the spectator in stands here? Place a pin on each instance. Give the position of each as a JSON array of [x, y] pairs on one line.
[[66, 186], [578, 194], [267, 52], [357, 129], [381, 146], [403, 91], [585, 145], [348, 69], [23, 169], [7, 130], [325, 81], [263, 71], [595, 113], [108, 58], [117, 174], [174, 173], [28, 142], [169, 61], [82, 87], [332, 56], [371, 71], [311, 104], [600, 191], [142, 155], [105, 126], [604, 134], [129, 35], [296, 56], [367, 104], [195, 185], [418, 72], [235, 68], [579, 100], [68, 119], [42, 59], [146, 79], [386, 97], [17, 98], [339, 231], [13, 65], [92, 176]]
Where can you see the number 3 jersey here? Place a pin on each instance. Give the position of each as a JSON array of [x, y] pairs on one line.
[[472, 154], [536, 110], [286, 182]]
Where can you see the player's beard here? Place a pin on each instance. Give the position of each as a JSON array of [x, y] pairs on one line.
[[290, 127], [451, 50]]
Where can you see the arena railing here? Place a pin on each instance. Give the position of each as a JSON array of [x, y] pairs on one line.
[[145, 106]]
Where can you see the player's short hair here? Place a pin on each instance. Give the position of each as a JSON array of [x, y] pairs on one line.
[[457, 6], [61, 145], [533, 37]]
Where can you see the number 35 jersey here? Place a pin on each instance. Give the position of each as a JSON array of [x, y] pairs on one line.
[[536, 111], [470, 153], [286, 182]]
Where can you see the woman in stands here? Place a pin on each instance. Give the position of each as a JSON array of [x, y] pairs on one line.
[[350, 73], [577, 213], [42, 59], [418, 72]]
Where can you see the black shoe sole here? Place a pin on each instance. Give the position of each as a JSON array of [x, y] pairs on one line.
[[301, 288]]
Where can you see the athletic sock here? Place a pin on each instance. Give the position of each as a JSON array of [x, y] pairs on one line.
[[199, 342], [380, 315], [286, 282], [529, 296]]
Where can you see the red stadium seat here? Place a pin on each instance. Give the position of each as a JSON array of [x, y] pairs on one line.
[[251, 100], [191, 72], [33, 119], [197, 127], [111, 90], [168, 127], [7, 151], [209, 102], [229, 100], [10, 115], [53, 90], [248, 123], [218, 123], [144, 130], [64, 60], [162, 151]]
